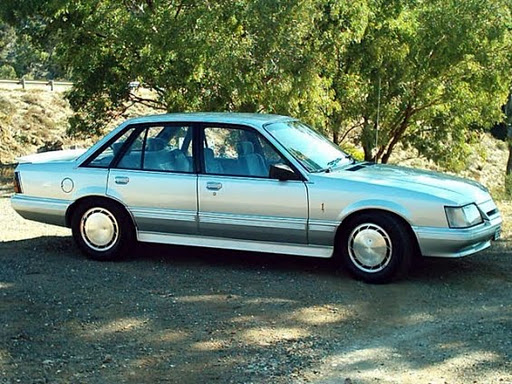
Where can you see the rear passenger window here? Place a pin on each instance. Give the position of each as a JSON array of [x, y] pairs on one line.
[[160, 148], [104, 158]]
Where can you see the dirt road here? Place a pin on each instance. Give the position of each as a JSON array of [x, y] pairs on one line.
[[184, 315]]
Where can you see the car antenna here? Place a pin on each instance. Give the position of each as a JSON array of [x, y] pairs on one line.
[[378, 117]]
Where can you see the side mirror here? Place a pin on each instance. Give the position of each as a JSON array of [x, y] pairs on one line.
[[282, 172]]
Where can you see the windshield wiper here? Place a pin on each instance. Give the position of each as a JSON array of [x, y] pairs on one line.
[[332, 164], [350, 157]]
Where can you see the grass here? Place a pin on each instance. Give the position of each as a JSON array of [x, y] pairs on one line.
[[30, 120], [505, 207]]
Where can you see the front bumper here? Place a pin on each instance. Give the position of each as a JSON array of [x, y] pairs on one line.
[[450, 242]]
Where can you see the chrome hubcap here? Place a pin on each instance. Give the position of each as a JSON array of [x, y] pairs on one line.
[[99, 229], [370, 248]]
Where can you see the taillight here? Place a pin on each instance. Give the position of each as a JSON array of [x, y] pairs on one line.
[[17, 183]]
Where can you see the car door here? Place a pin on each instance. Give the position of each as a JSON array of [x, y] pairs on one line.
[[237, 199], [153, 175]]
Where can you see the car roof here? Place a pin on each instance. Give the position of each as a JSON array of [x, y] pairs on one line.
[[257, 119]]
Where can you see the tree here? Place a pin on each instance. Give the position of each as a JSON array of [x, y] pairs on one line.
[[21, 56], [436, 68], [194, 55], [223, 55], [6, 38], [426, 74]]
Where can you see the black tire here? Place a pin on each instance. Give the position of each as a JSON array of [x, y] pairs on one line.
[[103, 230], [376, 247]]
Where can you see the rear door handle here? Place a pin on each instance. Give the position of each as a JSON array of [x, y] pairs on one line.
[[213, 186], [121, 180]]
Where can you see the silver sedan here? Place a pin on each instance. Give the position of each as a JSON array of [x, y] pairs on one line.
[[252, 182]]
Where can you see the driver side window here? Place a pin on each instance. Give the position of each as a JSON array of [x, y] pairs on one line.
[[238, 152]]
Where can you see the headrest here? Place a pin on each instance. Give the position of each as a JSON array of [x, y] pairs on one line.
[[116, 147], [177, 154], [154, 144], [245, 148], [208, 154]]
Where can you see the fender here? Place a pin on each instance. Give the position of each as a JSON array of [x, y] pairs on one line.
[[380, 204]]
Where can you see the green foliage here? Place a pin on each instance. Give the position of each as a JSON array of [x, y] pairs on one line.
[[353, 151], [441, 68], [22, 54], [426, 74], [7, 72]]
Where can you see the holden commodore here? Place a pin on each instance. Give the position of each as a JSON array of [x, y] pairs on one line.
[[252, 182]]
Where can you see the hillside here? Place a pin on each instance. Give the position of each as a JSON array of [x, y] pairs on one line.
[[36, 120], [31, 120]]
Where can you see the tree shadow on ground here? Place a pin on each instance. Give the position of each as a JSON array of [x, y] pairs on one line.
[[187, 315]]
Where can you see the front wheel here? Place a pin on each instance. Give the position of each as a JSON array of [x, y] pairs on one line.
[[376, 247], [102, 230]]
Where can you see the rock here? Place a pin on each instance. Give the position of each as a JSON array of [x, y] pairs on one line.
[[107, 359]]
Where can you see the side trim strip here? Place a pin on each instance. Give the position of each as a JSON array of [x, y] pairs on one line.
[[164, 214], [323, 225], [253, 221], [240, 245]]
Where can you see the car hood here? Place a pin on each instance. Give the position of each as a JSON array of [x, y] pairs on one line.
[[448, 187], [44, 157]]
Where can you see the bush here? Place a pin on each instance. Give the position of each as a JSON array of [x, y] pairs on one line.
[[7, 72]]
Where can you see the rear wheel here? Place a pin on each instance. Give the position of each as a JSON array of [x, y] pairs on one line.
[[376, 247], [102, 230]]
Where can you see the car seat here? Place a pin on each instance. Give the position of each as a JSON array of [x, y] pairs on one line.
[[253, 163], [212, 165]]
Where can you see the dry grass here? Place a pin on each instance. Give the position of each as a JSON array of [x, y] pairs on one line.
[[30, 119], [505, 207], [486, 164]]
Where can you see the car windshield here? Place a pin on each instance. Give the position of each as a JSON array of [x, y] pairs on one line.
[[312, 150]]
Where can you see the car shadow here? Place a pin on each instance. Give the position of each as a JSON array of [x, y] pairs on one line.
[[223, 258], [426, 269], [191, 314]]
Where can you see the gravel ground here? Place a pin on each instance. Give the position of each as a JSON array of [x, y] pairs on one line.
[[185, 315]]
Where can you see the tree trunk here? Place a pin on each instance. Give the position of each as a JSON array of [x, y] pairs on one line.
[[397, 136], [367, 153], [509, 161], [335, 125], [508, 120], [367, 141], [335, 136], [508, 172]]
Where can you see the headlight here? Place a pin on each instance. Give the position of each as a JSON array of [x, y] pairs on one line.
[[463, 217]]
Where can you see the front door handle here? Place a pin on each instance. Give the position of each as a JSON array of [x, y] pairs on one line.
[[121, 180], [213, 186]]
